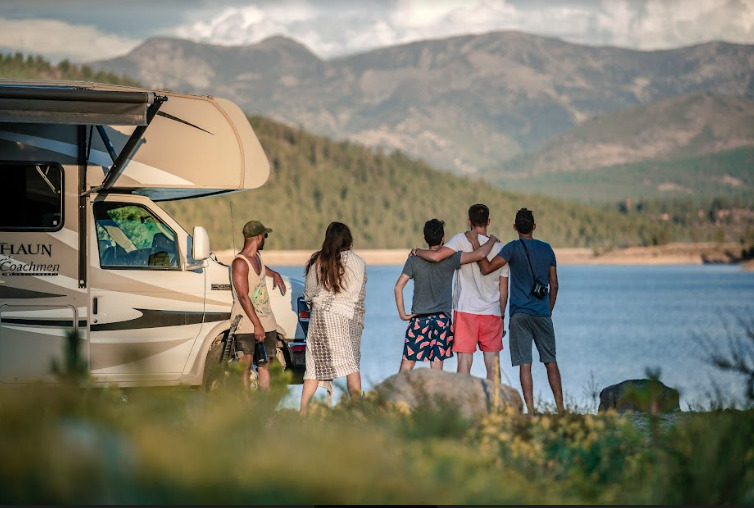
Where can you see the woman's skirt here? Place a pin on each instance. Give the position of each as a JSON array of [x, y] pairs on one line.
[[333, 346]]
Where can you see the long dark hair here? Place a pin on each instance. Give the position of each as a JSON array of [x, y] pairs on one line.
[[330, 270]]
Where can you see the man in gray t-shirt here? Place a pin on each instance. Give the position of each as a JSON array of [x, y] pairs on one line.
[[429, 336]]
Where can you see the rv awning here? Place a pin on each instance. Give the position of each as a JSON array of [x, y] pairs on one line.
[[73, 106]]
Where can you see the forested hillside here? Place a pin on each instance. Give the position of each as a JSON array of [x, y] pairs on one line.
[[700, 178], [18, 66], [386, 198]]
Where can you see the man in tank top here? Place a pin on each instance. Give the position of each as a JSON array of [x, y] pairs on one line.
[[252, 301]]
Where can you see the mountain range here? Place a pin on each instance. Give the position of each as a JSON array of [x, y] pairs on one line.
[[474, 103]]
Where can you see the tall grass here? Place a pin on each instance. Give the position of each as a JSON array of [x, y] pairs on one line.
[[63, 444], [71, 443]]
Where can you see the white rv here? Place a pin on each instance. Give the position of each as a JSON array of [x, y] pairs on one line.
[[85, 246]]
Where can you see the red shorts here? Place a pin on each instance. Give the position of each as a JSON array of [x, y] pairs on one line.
[[472, 329]]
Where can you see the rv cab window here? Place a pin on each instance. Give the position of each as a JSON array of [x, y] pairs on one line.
[[130, 236], [31, 197]]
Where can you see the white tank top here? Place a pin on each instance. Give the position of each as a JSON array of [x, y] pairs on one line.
[[260, 299]]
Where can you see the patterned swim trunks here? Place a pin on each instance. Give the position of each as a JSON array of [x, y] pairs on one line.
[[428, 338]]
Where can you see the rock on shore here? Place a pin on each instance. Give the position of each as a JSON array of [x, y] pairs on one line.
[[645, 395], [470, 395]]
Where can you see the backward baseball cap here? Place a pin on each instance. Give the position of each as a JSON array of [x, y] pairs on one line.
[[254, 228]]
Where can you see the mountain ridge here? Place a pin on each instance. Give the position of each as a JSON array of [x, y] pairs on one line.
[[462, 103], [699, 123]]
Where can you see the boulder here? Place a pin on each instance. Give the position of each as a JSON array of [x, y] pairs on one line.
[[472, 396], [646, 395]]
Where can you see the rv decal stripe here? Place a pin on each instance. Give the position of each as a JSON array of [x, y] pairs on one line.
[[216, 316], [42, 322], [106, 356], [10, 293], [152, 318], [176, 119], [154, 176]]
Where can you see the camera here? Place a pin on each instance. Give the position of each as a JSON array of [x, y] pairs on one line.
[[539, 290], [260, 353]]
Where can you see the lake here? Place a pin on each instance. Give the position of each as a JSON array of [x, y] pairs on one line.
[[611, 324]]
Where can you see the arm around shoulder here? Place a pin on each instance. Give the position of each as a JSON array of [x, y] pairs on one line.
[[435, 255], [479, 252]]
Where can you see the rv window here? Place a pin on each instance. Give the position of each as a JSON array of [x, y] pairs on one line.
[[31, 197], [130, 236]]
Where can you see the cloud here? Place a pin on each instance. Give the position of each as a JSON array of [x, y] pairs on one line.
[[249, 24], [57, 40], [666, 24], [338, 27], [335, 28]]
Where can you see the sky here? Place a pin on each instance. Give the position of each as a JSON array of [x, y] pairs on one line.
[[88, 30]]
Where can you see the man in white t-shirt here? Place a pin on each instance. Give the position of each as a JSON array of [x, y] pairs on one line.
[[479, 301]]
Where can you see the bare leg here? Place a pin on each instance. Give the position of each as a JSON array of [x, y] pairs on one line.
[[406, 365], [307, 392], [246, 361], [553, 376], [527, 386], [353, 383], [464, 362], [436, 365], [492, 362], [263, 372]]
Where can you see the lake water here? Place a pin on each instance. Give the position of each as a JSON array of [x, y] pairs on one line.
[[611, 324]]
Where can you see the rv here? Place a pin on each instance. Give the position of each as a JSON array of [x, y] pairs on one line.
[[85, 246]]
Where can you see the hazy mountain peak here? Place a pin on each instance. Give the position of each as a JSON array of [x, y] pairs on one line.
[[281, 42], [463, 103]]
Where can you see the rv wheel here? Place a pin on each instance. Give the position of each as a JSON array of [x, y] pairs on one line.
[[215, 368]]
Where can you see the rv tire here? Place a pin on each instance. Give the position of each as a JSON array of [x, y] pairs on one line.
[[215, 371]]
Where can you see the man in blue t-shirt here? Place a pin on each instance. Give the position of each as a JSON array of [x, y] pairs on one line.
[[532, 269], [429, 336]]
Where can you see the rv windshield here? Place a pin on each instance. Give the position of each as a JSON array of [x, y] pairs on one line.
[[130, 236]]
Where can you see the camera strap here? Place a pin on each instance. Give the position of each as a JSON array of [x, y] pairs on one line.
[[531, 268]]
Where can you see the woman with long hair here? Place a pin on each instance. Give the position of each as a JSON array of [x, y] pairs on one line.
[[335, 290]]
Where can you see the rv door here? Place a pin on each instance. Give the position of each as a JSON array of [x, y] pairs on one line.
[[147, 294]]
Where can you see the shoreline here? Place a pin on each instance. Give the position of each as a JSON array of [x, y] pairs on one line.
[[670, 254]]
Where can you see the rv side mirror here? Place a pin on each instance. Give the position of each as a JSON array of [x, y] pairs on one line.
[[201, 244]]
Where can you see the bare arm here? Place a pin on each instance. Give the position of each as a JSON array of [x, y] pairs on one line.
[[479, 252], [277, 279], [434, 255], [485, 266], [503, 285], [241, 282], [553, 280], [399, 285]]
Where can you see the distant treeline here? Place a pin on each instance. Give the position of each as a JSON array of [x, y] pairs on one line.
[[18, 66], [386, 198]]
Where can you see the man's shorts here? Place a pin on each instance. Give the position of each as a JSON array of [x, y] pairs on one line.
[[428, 338], [526, 329], [246, 341], [472, 329]]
